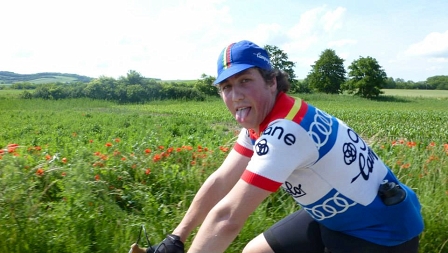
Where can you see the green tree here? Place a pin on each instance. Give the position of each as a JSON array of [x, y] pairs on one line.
[[205, 85], [438, 82], [101, 88], [366, 78], [279, 60], [132, 78], [328, 73]]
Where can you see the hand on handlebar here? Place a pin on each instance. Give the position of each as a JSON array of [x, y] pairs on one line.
[[171, 244]]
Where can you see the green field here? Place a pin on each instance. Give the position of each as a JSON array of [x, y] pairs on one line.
[[416, 93], [84, 175]]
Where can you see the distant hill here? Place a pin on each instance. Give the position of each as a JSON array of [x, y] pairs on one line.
[[7, 77]]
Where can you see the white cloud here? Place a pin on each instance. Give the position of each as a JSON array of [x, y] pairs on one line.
[[313, 27], [341, 43], [433, 45], [332, 20]]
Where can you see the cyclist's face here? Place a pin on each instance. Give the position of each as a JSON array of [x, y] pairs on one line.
[[248, 97]]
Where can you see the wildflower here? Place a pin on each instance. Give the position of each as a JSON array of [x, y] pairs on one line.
[[157, 157], [40, 172], [224, 149], [134, 166], [64, 160], [123, 158], [116, 152], [2, 151], [37, 148], [161, 147], [432, 158], [193, 162], [12, 147], [169, 150], [97, 177], [47, 157], [411, 144], [147, 151], [178, 149], [90, 141], [148, 171], [108, 144], [117, 139], [63, 174], [406, 166], [98, 164]]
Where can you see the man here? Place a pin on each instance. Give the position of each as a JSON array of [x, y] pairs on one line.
[[351, 201]]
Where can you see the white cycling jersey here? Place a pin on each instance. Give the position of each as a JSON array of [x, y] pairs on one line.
[[329, 170]]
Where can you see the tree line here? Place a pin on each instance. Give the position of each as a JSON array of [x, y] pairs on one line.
[[132, 88], [365, 78]]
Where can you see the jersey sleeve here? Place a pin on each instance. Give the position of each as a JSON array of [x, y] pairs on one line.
[[244, 144], [280, 150]]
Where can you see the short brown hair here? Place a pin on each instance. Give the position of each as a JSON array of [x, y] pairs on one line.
[[282, 78]]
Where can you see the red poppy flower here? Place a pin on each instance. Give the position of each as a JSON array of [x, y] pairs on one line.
[[40, 172]]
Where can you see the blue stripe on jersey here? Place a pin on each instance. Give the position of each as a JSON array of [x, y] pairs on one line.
[[322, 128]]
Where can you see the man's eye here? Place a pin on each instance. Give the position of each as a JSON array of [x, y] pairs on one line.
[[225, 87]]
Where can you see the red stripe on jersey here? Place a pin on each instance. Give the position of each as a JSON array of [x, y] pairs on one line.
[[243, 150], [260, 181]]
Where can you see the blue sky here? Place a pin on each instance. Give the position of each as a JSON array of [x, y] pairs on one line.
[[178, 39]]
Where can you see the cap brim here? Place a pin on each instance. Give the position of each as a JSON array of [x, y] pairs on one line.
[[233, 70]]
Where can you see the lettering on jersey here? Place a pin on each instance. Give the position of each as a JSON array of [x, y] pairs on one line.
[[294, 191], [277, 131], [358, 150], [262, 147]]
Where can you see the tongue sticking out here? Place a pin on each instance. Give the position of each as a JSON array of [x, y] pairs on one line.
[[241, 114]]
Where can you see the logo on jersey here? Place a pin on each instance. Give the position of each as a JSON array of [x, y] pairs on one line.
[[294, 191], [321, 128], [366, 157], [262, 147], [330, 207]]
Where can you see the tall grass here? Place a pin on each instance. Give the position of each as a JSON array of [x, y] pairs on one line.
[[84, 175]]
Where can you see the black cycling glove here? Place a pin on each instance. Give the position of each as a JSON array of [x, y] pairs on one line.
[[171, 244]]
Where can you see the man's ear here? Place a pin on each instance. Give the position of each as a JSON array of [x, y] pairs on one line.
[[273, 83]]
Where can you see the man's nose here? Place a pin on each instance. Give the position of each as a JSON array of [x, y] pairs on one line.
[[237, 93]]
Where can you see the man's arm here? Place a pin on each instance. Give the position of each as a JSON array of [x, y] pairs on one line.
[[227, 218], [211, 192]]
